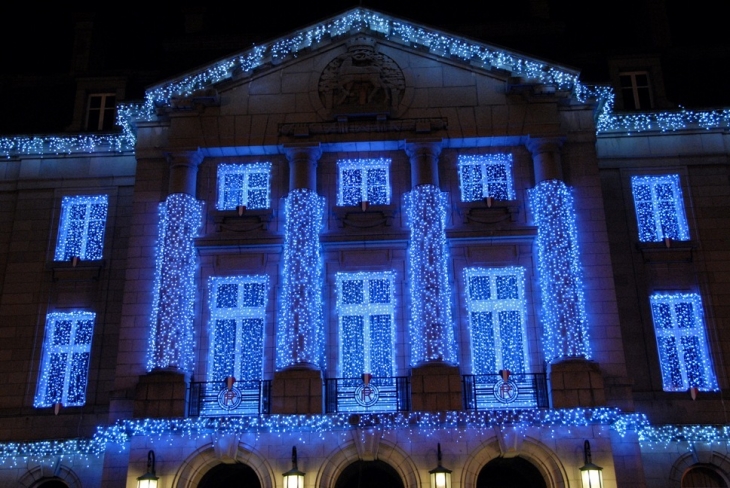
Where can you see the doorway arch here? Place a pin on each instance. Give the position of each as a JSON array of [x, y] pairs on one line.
[[237, 474], [514, 472], [369, 474]]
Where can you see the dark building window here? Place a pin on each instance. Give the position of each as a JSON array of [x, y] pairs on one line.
[[635, 90], [101, 112]]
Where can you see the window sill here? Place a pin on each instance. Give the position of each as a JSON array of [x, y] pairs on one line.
[[373, 216], [479, 212], [672, 251], [247, 221], [81, 271]]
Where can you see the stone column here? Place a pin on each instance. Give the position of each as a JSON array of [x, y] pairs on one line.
[[574, 380], [297, 384], [435, 379], [161, 392]]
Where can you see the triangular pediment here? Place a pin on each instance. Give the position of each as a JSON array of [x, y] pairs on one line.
[[370, 26]]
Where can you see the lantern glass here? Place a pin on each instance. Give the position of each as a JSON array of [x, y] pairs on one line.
[[147, 481], [293, 480], [592, 476], [440, 478]]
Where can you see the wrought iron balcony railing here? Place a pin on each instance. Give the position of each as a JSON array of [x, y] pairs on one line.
[[214, 399], [385, 394], [491, 392]]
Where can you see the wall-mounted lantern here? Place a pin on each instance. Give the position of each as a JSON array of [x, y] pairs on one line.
[[590, 473], [294, 478], [440, 476], [149, 479]]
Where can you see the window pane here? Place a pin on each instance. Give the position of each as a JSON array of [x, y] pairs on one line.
[[84, 331], [224, 344], [76, 393], [483, 343], [507, 287], [62, 333], [381, 346], [510, 333], [479, 288], [253, 294], [353, 357], [352, 292], [227, 296], [252, 335], [379, 291]]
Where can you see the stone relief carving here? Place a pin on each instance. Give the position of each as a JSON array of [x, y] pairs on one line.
[[361, 81]]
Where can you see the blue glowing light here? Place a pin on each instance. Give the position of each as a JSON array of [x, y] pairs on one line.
[[246, 185], [558, 258], [300, 334], [431, 327], [659, 208], [486, 175], [366, 309], [363, 180], [65, 363], [495, 300], [681, 342], [171, 329], [237, 311], [81, 228]]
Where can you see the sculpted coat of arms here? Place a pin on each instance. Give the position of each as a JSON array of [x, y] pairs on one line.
[[361, 81]]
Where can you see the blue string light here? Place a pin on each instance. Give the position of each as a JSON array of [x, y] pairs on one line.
[[563, 303], [366, 308], [171, 343], [81, 228], [495, 300], [363, 180], [300, 335], [237, 311], [659, 208], [246, 185], [65, 364], [681, 341], [486, 175], [431, 327]]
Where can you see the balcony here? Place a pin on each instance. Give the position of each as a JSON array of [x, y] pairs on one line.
[[491, 392], [350, 395], [215, 399]]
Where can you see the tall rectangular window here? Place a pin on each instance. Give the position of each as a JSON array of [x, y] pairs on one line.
[[486, 176], [495, 301], [635, 90], [65, 363], [101, 112], [81, 228], [237, 311], [244, 185], [363, 180], [366, 309], [659, 208], [682, 342]]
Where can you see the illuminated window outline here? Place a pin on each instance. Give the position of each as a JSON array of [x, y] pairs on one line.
[[491, 182], [81, 227], [655, 213], [247, 362], [375, 193], [354, 367], [484, 360], [674, 367], [248, 193], [62, 382]]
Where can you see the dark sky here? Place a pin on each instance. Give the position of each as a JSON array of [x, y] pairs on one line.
[[36, 39]]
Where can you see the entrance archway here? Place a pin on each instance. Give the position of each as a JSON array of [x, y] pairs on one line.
[[233, 475], [510, 473], [369, 474]]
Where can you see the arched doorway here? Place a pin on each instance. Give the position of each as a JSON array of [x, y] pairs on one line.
[[369, 474], [233, 475], [513, 472], [703, 477], [51, 483]]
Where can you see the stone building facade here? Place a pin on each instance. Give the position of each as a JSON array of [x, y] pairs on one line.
[[386, 246]]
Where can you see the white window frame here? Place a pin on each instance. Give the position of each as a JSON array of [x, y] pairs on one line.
[[105, 110], [70, 375], [366, 310], [488, 183], [495, 305], [364, 166], [67, 241], [661, 208], [238, 313], [241, 198], [635, 87], [670, 329]]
